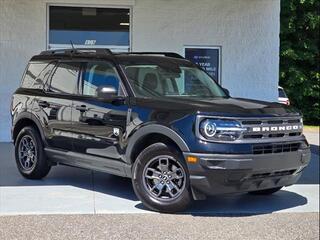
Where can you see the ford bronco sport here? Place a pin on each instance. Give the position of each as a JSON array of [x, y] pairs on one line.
[[156, 118]]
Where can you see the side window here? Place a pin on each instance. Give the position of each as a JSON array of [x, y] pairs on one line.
[[99, 74], [45, 74], [32, 77], [41, 80], [65, 78]]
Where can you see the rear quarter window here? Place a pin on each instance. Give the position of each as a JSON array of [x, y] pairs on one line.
[[35, 75], [64, 80]]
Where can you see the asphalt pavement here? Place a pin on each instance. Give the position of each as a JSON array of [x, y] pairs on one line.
[[304, 226]]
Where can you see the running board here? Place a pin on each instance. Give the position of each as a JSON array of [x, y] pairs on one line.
[[85, 161]]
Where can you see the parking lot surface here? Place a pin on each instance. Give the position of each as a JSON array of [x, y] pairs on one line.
[[73, 203], [68, 190], [304, 226]]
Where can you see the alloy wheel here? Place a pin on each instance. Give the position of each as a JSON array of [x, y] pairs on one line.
[[27, 153], [164, 178]]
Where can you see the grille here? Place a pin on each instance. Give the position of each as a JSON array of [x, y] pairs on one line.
[[275, 148], [271, 128]]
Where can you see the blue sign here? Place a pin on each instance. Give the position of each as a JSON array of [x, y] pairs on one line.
[[206, 58]]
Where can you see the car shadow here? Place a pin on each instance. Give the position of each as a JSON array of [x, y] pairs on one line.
[[314, 149], [64, 176], [311, 173], [106, 184], [244, 204]]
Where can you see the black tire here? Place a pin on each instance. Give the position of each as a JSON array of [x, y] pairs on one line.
[[40, 168], [266, 191], [176, 204]]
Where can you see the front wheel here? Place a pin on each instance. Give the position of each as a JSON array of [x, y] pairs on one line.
[[266, 191], [161, 180]]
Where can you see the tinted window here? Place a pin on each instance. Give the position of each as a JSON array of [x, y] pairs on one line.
[[99, 74], [32, 77], [175, 80], [65, 78], [282, 94]]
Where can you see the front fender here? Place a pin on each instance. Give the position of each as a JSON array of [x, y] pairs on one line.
[[151, 129]]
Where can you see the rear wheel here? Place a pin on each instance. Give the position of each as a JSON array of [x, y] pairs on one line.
[[266, 191], [161, 180], [30, 157]]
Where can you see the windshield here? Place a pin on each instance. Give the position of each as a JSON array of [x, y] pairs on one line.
[[172, 80]]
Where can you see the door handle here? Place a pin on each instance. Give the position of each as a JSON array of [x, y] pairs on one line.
[[81, 108], [44, 104]]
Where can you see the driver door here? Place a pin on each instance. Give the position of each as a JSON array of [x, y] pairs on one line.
[[98, 123]]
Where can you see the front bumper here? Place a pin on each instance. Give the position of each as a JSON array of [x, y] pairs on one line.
[[228, 173]]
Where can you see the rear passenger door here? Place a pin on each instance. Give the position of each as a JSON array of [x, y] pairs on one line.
[[56, 104], [99, 124]]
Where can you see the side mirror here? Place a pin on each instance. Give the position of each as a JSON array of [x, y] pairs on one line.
[[106, 92], [226, 91]]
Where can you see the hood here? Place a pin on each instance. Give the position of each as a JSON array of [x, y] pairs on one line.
[[233, 107]]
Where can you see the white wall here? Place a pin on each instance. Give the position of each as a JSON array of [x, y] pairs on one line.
[[247, 30], [22, 35]]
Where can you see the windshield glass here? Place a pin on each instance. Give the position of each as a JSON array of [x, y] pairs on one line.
[[174, 80]]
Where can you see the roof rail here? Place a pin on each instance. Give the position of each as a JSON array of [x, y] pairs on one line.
[[104, 51], [166, 54], [73, 51]]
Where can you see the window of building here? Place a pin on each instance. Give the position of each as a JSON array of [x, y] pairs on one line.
[[98, 74], [65, 78], [88, 27]]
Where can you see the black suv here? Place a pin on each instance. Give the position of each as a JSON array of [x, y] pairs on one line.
[[156, 118]]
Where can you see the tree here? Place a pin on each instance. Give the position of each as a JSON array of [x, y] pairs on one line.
[[299, 55]]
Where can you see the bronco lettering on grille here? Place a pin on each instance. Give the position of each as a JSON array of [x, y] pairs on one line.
[[277, 128]]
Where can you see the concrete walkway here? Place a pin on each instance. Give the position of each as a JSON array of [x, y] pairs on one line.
[[69, 190]]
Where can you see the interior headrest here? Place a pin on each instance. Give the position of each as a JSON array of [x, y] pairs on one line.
[[150, 81]]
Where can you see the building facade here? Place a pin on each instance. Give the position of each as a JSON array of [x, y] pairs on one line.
[[242, 34]]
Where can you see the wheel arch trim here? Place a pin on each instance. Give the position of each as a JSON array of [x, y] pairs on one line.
[[28, 116], [154, 129]]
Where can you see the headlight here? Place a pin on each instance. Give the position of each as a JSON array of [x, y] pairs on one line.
[[220, 129]]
